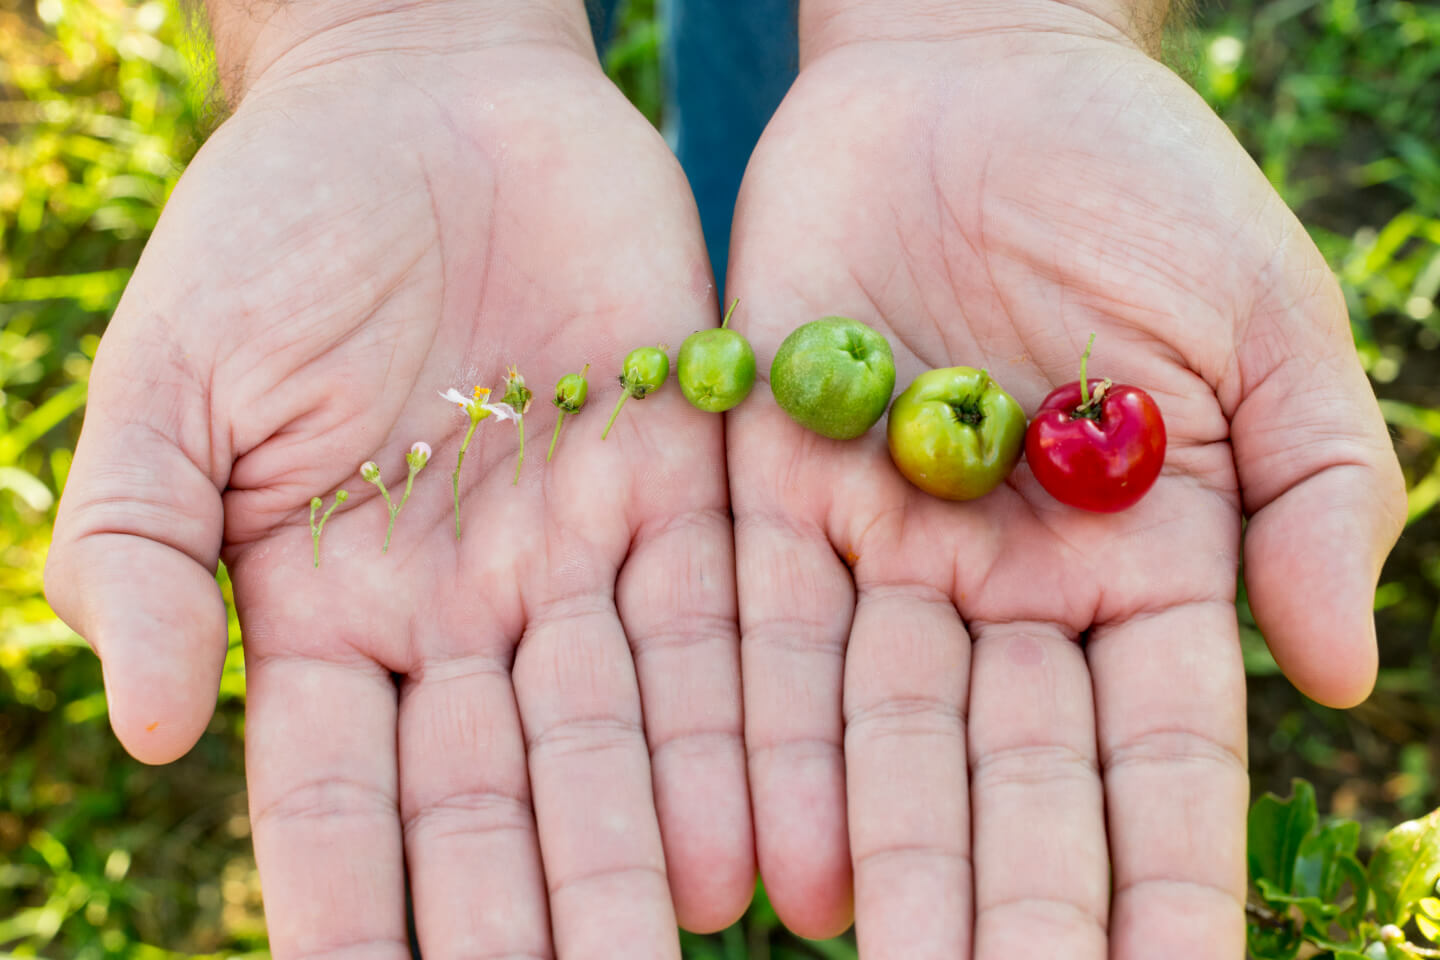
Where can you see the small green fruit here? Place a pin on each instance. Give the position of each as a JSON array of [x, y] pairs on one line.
[[644, 371], [834, 376]]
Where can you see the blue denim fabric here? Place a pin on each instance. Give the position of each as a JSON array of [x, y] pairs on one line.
[[727, 64]]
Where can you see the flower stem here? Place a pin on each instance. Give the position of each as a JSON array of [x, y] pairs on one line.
[[555, 437], [314, 530], [389, 505], [733, 304], [623, 397], [455, 478], [1084, 362], [520, 425]]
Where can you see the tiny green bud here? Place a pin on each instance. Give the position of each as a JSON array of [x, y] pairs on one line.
[[570, 394], [517, 395], [315, 504], [418, 456], [572, 391], [370, 471], [341, 496]]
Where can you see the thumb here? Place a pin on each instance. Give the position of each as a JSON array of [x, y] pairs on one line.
[[1320, 482], [137, 539]]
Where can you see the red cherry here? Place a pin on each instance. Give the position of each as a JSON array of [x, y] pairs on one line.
[[1102, 455]]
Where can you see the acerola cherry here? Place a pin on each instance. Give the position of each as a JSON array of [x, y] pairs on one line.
[[1096, 445]]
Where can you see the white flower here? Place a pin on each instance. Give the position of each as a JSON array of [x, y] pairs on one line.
[[476, 408]]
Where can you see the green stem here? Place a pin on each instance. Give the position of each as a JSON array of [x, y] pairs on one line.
[[555, 437], [455, 478], [395, 508], [315, 531], [519, 423], [623, 397], [733, 304], [389, 505], [1084, 362], [317, 528]]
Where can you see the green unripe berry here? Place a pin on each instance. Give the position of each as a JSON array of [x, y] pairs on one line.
[[645, 371], [834, 376], [716, 368], [572, 391], [570, 394]]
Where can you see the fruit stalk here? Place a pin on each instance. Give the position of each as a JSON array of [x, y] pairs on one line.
[[1084, 384], [625, 395], [555, 437]]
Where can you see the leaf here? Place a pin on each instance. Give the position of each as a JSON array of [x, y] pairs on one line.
[[1405, 868], [1317, 864], [1305, 902], [1275, 831], [1325, 864], [27, 487], [1427, 918], [1271, 943]]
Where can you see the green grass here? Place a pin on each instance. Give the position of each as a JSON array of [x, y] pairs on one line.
[[1336, 99]]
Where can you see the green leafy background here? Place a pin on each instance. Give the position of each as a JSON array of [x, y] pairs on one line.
[[103, 101]]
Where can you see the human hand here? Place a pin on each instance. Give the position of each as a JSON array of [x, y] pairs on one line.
[[987, 184], [405, 202]]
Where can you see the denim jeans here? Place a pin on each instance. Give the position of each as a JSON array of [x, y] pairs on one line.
[[727, 64]]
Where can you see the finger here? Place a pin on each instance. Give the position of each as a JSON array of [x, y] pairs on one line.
[[796, 600], [1170, 703], [676, 597], [590, 775], [905, 685], [470, 844], [320, 762], [1321, 484], [1041, 864], [137, 540]]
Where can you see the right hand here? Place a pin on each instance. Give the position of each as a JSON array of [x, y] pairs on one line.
[[400, 205], [987, 184]]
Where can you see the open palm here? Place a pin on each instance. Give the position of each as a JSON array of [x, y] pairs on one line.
[[918, 709], [359, 237]]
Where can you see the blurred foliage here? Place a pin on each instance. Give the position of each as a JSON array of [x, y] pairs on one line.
[[102, 102], [1309, 892]]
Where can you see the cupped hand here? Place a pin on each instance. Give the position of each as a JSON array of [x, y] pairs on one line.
[[394, 210], [1019, 728]]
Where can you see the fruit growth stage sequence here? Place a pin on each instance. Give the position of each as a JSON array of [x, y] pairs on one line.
[[954, 432]]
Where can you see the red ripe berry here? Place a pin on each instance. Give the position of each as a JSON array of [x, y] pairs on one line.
[[1098, 449]]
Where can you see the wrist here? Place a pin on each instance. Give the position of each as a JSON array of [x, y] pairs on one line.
[[827, 24], [259, 38]]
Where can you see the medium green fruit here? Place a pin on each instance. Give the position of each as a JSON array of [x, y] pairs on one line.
[[716, 369], [834, 376]]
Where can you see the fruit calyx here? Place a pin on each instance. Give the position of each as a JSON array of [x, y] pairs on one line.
[[967, 410]]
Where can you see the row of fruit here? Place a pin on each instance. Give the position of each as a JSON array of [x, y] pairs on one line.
[[954, 432]]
